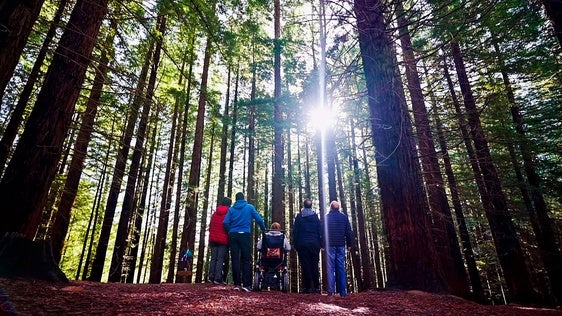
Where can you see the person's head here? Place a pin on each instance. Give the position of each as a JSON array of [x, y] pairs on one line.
[[239, 196], [307, 203], [275, 226], [226, 201], [335, 205]]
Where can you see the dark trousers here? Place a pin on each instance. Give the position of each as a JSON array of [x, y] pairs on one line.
[[241, 255], [218, 253], [309, 257]]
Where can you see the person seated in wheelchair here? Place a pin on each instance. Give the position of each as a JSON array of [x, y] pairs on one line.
[[274, 238], [271, 268]]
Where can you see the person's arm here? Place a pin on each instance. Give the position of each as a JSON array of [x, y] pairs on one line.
[[320, 231], [348, 235], [258, 245], [257, 217], [286, 244], [226, 222], [295, 234]]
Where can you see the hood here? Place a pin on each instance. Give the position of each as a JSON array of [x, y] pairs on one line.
[[240, 204], [307, 212], [221, 210], [274, 233]]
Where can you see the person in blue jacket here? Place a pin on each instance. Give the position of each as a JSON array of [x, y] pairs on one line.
[[238, 223]]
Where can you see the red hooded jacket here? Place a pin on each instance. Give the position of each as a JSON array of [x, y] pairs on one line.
[[217, 233]]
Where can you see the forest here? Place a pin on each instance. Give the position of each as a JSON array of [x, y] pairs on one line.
[[437, 124]]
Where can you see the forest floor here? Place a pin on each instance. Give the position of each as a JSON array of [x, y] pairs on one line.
[[32, 297]]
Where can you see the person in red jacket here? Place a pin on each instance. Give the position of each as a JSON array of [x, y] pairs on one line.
[[218, 241]]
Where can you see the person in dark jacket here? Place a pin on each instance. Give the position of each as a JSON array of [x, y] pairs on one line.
[[218, 241], [238, 223], [338, 235], [307, 240]]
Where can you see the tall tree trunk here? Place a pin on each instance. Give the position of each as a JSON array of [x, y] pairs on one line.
[[509, 250], [277, 194], [361, 233], [293, 266], [119, 170], [16, 118], [201, 251], [32, 169], [224, 139], [190, 220], [149, 237], [371, 203], [542, 224], [140, 210], [475, 282], [411, 251], [180, 163], [443, 228], [127, 209], [93, 220], [233, 134], [553, 10], [355, 254], [16, 22], [250, 191], [62, 216]]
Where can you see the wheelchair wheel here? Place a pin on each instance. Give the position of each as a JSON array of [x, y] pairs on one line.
[[285, 287], [257, 282]]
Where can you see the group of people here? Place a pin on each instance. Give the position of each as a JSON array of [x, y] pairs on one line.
[[230, 227]]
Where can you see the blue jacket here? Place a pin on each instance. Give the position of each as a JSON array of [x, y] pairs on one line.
[[239, 218], [338, 229], [307, 229]]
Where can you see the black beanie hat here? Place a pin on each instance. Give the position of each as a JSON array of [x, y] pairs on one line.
[[239, 196]]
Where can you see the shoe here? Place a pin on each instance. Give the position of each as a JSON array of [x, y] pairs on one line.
[[317, 291], [306, 291], [219, 282], [343, 295], [330, 293], [247, 289], [236, 288]]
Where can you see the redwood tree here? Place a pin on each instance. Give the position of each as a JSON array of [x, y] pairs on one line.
[[508, 248], [16, 21], [62, 217], [443, 227], [33, 166], [412, 255]]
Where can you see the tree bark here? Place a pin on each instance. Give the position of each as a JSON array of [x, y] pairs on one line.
[[16, 118], [224, 139], [509, 250], [63, 214], [361, 232], [140, 211], [202, 244], [443, 228], [411, 251], [553, 10], [40, 145], [250, 191], [181, 162], [127, 209], [277, 194], [190, 221], [538, 210], [119, 171], [475, 282], [233, 134], [16, 22]]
